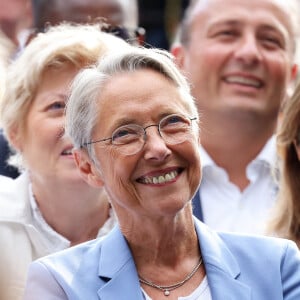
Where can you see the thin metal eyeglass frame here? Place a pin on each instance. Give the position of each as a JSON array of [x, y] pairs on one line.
[[144, 129]]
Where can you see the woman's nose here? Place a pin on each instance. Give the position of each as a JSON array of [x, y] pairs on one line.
[[155, 147]]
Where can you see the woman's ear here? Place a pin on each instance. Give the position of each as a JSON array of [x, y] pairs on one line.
[[15, 138], [87, 168]]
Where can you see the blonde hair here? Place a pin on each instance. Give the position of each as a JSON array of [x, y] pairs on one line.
[[286, 220], [65, 44], [6, 50]]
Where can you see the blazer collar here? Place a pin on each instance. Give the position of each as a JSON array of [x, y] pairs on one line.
[[117, 268], [222, 269]]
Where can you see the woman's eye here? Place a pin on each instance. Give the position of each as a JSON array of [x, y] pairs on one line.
[[121, 133], [57, 105], [126, 134], [173, 120]]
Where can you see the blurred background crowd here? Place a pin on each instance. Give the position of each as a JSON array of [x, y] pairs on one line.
[[250, 150]]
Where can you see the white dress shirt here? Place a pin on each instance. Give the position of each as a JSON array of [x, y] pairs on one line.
[[225, 207]]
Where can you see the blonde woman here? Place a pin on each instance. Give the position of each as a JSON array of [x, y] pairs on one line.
[[49, 207], [6, 49]]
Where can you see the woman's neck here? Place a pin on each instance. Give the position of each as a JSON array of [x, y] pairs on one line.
[[76, 214]]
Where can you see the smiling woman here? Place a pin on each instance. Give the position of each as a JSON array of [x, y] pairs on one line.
[[135, 128], [49, 207]]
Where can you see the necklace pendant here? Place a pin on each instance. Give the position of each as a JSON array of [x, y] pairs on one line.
[[166, 292]]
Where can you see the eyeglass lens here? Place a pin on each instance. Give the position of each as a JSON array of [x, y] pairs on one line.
[[130, 139]]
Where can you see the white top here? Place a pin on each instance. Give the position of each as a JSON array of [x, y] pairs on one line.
[[55, 241], [202, 292], [226, 208], [24, 235]]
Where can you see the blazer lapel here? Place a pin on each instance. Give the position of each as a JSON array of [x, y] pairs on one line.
[[118, 271], [222, 269], [225, 287], [117, 268]]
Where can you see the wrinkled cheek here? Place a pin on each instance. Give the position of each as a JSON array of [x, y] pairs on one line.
[[117, 175], [106, 163], [196, 177], [122, 194]]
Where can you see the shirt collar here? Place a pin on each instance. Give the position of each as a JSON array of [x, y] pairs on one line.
[[267, 154], [206, 160], [53, 240]]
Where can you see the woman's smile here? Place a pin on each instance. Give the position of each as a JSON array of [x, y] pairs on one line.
[[162, 178]]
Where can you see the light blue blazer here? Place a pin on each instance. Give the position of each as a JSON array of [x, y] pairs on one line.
[[237, 267]]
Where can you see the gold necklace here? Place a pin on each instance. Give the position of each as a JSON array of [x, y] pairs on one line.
[[168, 288]]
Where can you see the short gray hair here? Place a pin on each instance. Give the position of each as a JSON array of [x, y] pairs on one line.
[[83, 109]]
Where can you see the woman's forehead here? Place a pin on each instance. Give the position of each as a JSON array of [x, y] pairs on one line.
[[137, 87], [139, 94]]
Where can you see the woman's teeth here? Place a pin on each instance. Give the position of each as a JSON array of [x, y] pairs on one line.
[[160, 179], [67, 152]]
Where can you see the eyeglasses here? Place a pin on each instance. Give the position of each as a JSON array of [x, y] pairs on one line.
[[132, 36], [130, 139]]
